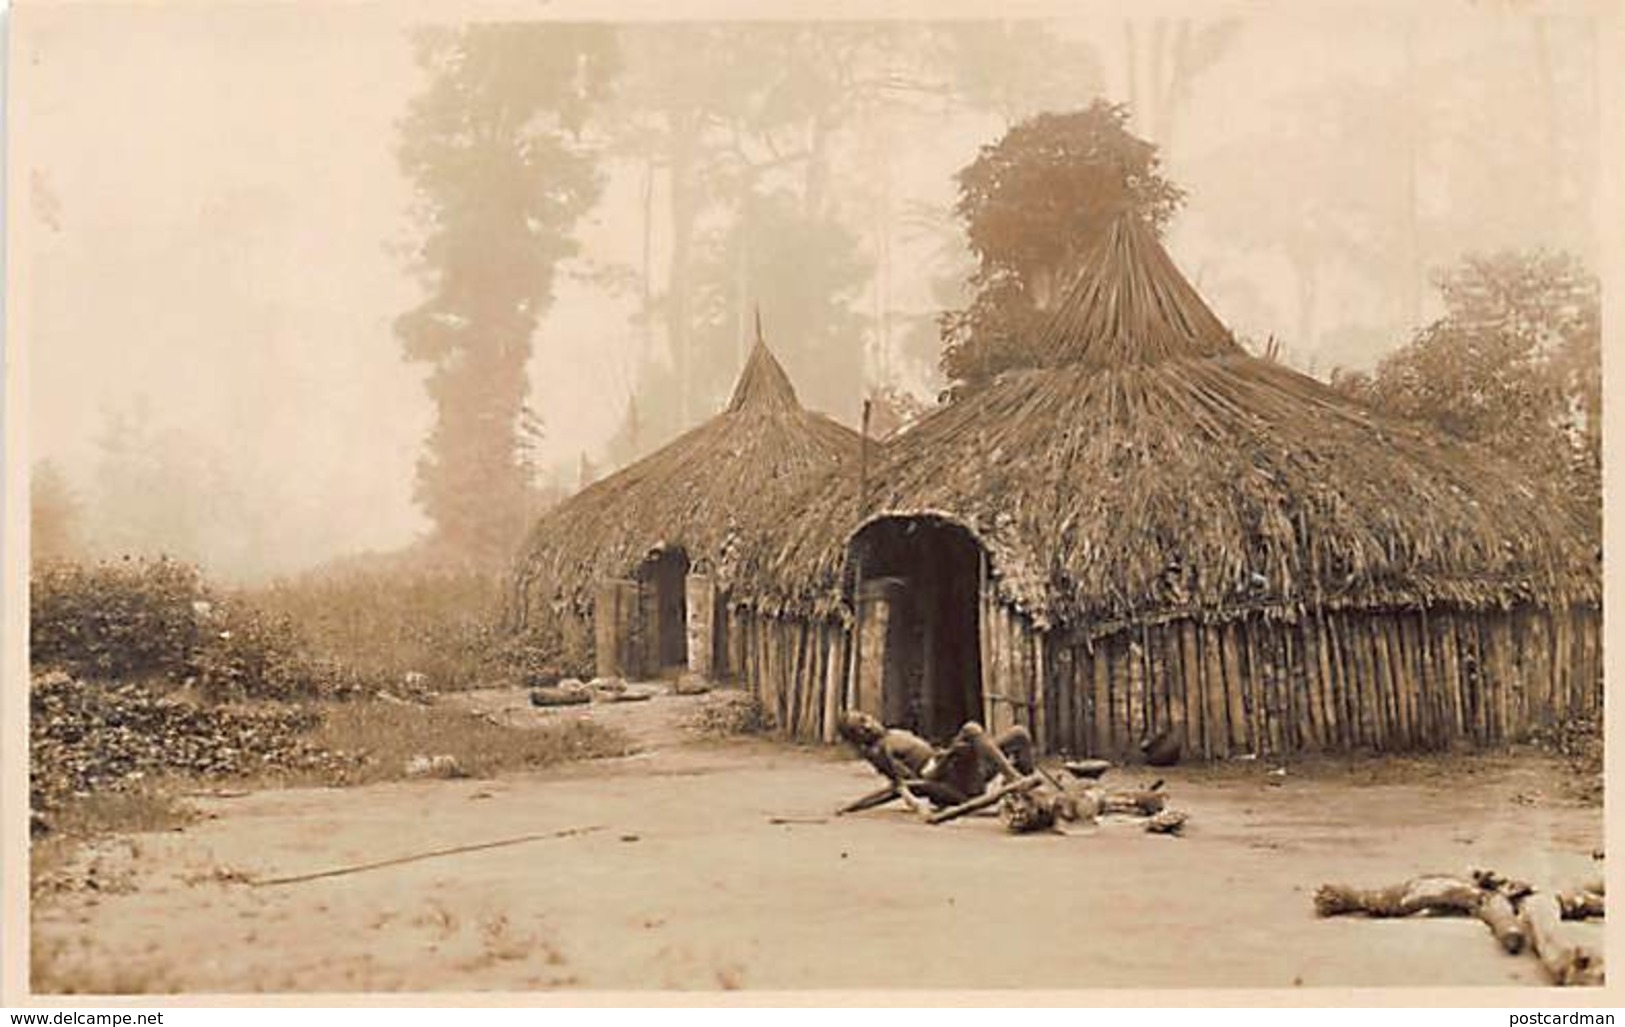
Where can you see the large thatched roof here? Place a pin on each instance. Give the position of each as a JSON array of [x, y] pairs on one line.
[[1155, 468], [703, 492]]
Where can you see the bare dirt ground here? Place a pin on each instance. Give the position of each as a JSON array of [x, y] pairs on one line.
[[682, 880]]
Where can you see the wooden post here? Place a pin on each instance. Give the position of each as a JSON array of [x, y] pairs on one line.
[[1234, 687], [1404, 697], [873, 640], [615, 610], [1213, 688], [1331, 691], [1140, 719], [700, 627], [832, 680], [1190, 659], [1370, 687], [1061, 676], [1388, 681], [1256, 687], [1122, 739], [1274, 689], [1042, 693], [1102, 703], [1083, 677], [1300, 719]]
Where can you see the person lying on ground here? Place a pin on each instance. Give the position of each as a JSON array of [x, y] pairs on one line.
[[947, 776]]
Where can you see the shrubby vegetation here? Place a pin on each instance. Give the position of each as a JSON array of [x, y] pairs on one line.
[[157, 620], [144, 674]]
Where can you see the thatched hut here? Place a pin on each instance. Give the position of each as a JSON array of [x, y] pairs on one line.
[[648, 555], [1159, 534]]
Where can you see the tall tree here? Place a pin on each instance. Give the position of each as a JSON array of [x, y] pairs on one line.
[[739, 131], [494, 148], [1163, 60], [1032, 205]]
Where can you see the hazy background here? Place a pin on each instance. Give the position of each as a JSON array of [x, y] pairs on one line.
[[217, 234]]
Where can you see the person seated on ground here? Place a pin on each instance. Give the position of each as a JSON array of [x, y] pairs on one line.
[[947, 776]]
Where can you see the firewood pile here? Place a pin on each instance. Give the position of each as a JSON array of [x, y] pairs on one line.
[[90, 736], [1518, 915]]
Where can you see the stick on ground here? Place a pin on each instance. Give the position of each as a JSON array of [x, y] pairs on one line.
[[415, 857], [986, 799]]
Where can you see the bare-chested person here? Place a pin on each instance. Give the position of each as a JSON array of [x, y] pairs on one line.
[[947, 776]]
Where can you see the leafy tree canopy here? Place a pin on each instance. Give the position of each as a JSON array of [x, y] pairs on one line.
[[1032, 205], [1514, 363]]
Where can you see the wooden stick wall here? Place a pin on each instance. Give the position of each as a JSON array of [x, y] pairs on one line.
[[791, 666], [1393, 681], [1332, 680]]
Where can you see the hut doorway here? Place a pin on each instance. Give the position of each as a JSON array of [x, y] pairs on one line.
[[919, 635], [663, 597]]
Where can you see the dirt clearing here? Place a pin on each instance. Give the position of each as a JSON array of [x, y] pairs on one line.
[[682, 880]]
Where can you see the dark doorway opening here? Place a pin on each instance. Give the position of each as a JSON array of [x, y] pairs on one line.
[[663, 590], [927, 574]]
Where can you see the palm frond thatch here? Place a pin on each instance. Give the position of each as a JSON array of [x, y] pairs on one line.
[[704, 492], [1158, 470]]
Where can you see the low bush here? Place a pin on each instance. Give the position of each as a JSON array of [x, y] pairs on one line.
[[124, 619], [144, 619]]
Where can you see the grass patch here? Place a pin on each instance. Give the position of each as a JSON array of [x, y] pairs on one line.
[[388, 620], [150, 808], [385, 737], [55, 969], [728, 714]]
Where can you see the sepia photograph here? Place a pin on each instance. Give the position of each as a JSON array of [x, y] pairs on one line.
[[533, 501]]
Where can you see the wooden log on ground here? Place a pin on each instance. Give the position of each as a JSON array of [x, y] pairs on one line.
[[1432, 892], [1566, 962], [1169, 821], [1486, 896], [1580, 905], [1147, 802], [1497, 913]]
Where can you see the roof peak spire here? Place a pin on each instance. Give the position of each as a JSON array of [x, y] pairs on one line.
[[1130, 304], [762, 382]]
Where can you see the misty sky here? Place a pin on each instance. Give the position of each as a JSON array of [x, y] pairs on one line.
[[213, 222]]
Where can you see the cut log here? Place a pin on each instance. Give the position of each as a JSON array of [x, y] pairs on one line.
[[1580, 905], [1433, 892], [1169, 821], [1566, 962], [1142, 802], [559, 695], [1497, 913]]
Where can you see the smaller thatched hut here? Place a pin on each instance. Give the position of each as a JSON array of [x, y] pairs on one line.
[[648, 556]]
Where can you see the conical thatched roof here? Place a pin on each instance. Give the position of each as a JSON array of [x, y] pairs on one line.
[[1156, 469], [703, 492]]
